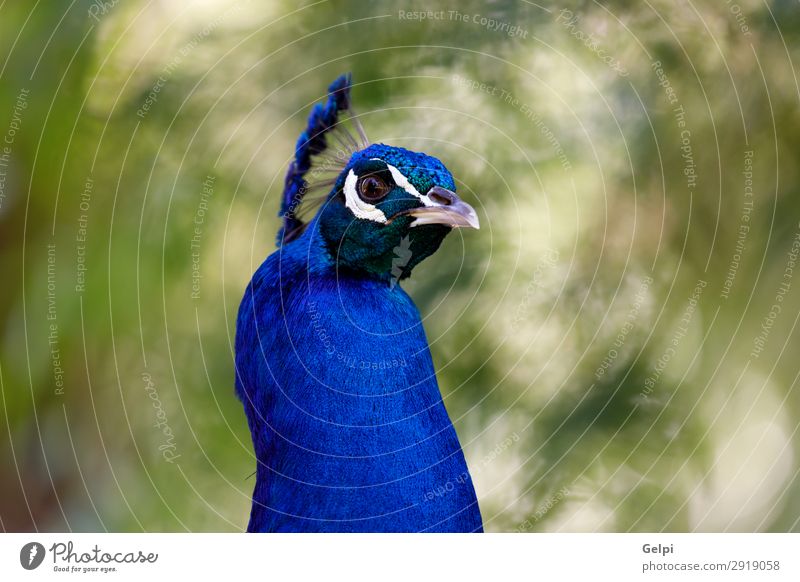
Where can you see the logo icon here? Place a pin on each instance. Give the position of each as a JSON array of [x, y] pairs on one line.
[[402, 256], [31, 555]]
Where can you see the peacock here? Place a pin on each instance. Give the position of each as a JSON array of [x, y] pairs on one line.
[[333, 367]]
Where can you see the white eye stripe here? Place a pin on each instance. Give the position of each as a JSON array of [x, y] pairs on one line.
[[356, 205], [369, 211], [403, 182]]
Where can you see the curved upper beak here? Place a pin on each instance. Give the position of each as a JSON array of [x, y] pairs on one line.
[[446, 208]]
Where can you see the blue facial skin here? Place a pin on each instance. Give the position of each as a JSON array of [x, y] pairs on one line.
[[336, 378]]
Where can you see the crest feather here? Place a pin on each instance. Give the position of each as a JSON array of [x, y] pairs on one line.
[[312, 164]]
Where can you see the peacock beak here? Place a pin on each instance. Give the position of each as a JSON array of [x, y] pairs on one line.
[[444, 207]]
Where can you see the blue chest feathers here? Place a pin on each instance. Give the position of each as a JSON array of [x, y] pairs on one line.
[[341, 397]]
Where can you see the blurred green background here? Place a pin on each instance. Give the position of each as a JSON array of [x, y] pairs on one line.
[[617, 345]]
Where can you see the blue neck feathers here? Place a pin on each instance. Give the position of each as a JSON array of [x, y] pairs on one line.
[[348, 424]]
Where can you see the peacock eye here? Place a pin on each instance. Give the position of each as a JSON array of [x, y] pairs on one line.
[[372, 188]]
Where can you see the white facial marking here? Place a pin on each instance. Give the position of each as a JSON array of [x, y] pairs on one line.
[[403, 182], [356, 205]]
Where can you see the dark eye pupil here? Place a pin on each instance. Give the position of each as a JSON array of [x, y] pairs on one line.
[[372, 188], [372, 185]]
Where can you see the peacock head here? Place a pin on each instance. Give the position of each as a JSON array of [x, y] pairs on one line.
[[385, 209]]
